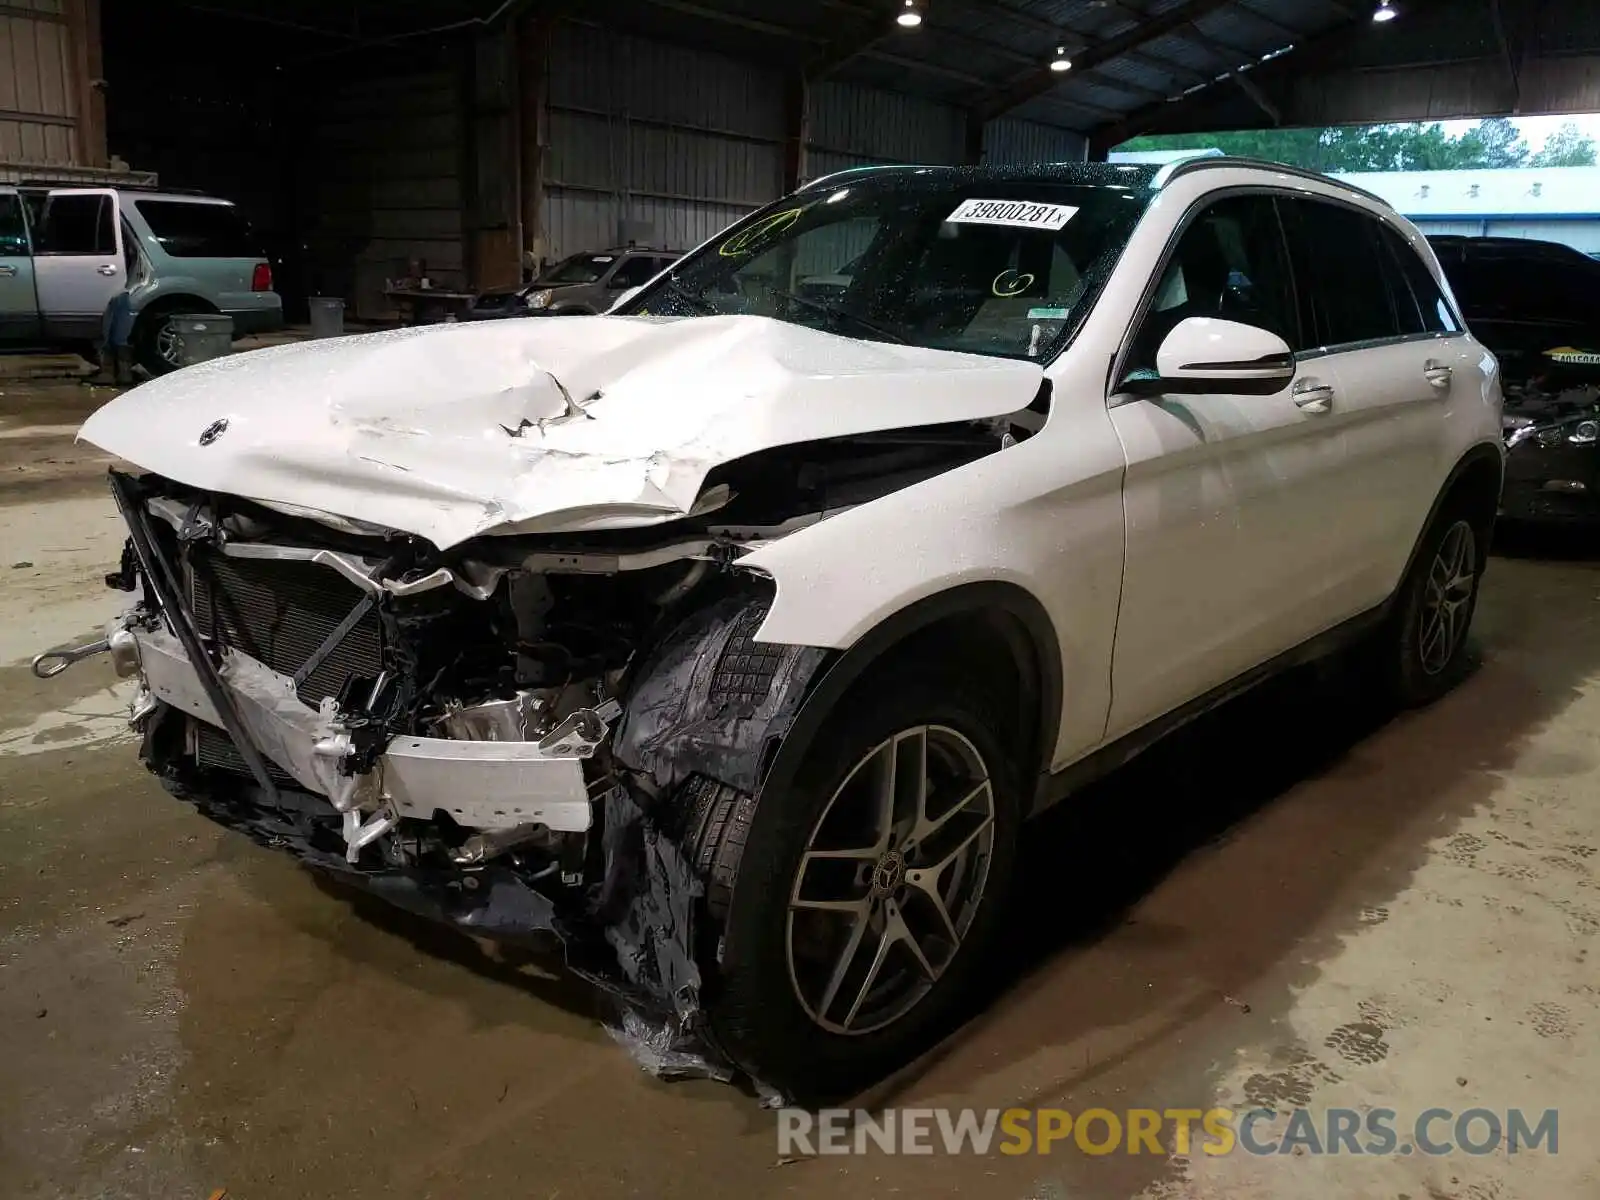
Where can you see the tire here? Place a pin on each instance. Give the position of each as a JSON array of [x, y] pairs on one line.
[[1415, 667], [151, 341], [774, 966]]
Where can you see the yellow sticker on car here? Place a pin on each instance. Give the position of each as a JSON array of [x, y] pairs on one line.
[[1572, 356]]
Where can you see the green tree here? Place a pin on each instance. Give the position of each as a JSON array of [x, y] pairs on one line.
[[1393, 147], [1568, 146], [1495, 143]]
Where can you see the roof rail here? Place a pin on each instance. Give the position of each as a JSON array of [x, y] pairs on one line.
[[116, 186], [831, 175], [1189, 165]]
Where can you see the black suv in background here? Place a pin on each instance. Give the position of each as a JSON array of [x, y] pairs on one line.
[[584, 283], [1536, 305]]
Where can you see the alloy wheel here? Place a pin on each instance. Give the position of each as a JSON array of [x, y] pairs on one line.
[[168, 344], [892, 876], [1447, 598]]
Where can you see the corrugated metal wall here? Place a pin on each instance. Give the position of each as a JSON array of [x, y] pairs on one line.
[[386, 188], [38, 84], [854, 126], [652, 143], [1008, 141]]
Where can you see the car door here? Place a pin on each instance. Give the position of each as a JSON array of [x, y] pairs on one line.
[[19, 307], [1392, 346], [1226, 497], [78, 261]]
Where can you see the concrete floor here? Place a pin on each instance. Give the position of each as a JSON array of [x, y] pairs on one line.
[[1295, 903]]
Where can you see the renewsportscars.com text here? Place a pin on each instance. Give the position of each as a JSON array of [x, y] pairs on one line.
[[1215, 1131]]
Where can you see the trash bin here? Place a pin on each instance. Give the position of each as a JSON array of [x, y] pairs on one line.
[[202, 336], [327, 316]]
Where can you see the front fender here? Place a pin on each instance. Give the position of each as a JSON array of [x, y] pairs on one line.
[[1024, 519]]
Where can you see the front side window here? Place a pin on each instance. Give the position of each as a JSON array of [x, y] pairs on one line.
[[1342, 262], [634, 272], [186, 229], [1230, 263], [78, 224], [579, 269], [13, 226], [999, 268]]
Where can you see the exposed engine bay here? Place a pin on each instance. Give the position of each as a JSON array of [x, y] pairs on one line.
[[516, 736], [1552, 428]]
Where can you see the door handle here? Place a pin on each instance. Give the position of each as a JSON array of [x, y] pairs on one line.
[[7, 272], [1313, 397], [106, 269], [1437, 374]]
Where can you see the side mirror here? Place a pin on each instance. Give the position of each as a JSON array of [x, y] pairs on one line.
[[1205, 356]]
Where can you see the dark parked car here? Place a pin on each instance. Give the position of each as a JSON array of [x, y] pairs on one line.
[[1536, 305], [584, 283]]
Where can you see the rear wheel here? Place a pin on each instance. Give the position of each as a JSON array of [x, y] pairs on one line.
[[156, 342], [1424, 650], [856, 905]]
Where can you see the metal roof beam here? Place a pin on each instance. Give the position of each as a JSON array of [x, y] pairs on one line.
[[1273, 79], [1044, 80]]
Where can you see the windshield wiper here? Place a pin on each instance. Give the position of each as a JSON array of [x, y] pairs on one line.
[[830, 310]]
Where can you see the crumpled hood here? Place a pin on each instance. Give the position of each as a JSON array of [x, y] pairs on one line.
[[452, 431]]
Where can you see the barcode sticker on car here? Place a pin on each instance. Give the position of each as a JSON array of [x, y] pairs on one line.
[[1024, 214]]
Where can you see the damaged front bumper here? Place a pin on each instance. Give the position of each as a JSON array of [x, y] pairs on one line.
[[459, 749], [488, 786]]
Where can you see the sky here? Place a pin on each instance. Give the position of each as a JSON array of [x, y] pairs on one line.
[[1536, 129]]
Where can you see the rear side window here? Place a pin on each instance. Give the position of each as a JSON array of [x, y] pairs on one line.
[[1342, 262], [1419, 305], [13, 227], [78, 225], [189, 230]]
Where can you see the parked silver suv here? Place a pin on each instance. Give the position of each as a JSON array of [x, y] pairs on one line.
[[65, 252]]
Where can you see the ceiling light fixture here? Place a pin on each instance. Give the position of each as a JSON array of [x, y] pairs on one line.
[[1384, 12], [910, 16], [1061, 62]]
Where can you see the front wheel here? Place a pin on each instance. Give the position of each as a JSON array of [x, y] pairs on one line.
[[867, 894]]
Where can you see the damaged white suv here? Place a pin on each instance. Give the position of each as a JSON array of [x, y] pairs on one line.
[[731, 637]]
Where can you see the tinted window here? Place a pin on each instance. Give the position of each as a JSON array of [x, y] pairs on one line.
[[1419, 305], [13, 228], [1232, 263], [77, 225], [189, 230], [1342, 261], [634, 272]]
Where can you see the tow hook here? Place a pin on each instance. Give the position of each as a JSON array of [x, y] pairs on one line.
[[120, 644]]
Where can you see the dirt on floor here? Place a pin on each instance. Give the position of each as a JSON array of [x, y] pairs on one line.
[[1296, 903]]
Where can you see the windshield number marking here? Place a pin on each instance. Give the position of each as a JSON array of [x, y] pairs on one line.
[[1022, 214]]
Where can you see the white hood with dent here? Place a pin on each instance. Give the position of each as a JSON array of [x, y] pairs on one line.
[[452, 431]]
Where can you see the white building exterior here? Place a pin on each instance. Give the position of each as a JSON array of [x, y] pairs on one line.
[[1553, 204]]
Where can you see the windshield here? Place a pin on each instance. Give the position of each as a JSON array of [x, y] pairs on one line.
[[952, 263], [580, 268]]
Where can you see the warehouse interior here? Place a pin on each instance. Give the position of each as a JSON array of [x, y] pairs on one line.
[[1298, 902], [360, 137]]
